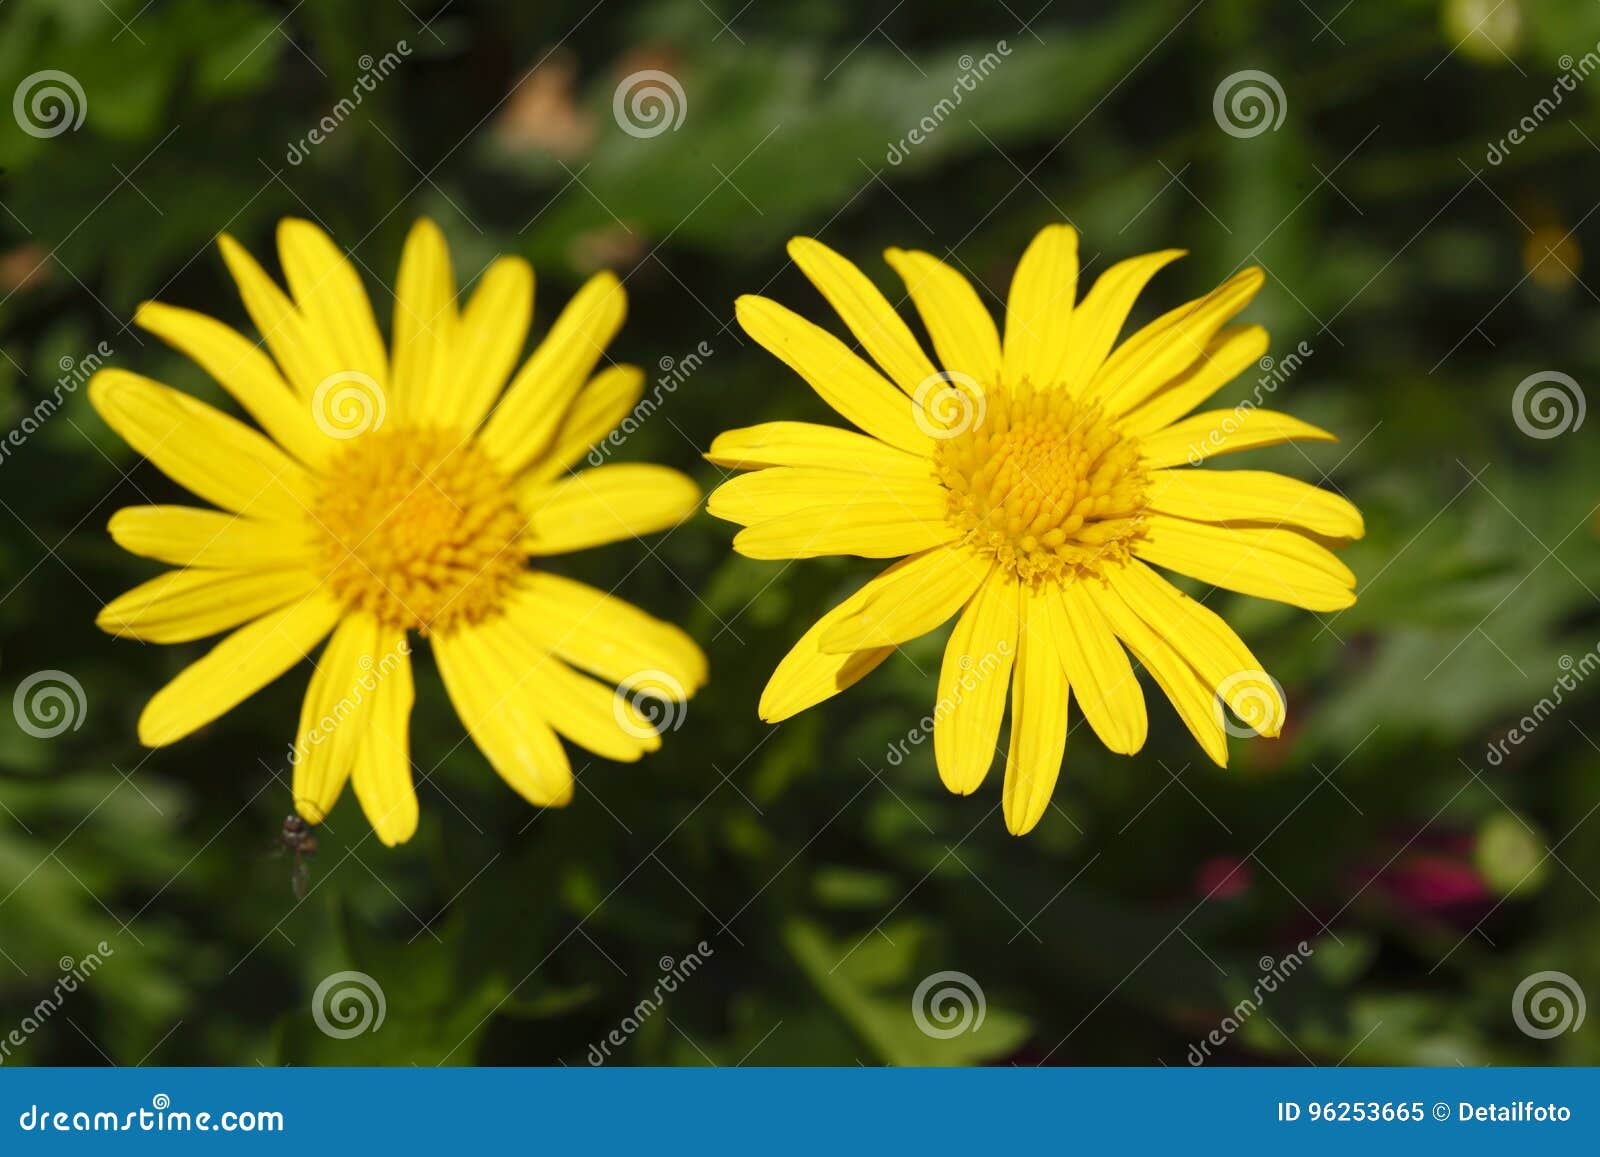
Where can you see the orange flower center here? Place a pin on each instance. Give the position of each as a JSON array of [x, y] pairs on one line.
[[1043, 482], [418, 528]]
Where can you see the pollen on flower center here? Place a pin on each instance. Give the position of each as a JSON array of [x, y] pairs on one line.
[[418, 528], [1044, 483]]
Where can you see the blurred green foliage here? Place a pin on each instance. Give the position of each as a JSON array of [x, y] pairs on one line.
[[828, 878]]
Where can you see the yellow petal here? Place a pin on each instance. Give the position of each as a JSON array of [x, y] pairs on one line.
[[596, 717], [606, 504], [1038, 716], [605, 402], [1097, 667], [1269, 564], [785, 490], [1231, 352], [808, 675], [494, 326], [189, 536], [963, 333], [337, 710], [820, 447], [425, 323], [1203, 436], [245, 372], [333, 302], [972, 684], [1039, 308], [869, 529], [1168, 346], [500, 705], [853, 388], [306, 357], [182, 605], [1209, 645], [236, 668], [1098, 318], [1253, 496], [381, 775], [602, 633], [217, 457], [880, 330], [1194, 699], [908, 600], [537, 399]]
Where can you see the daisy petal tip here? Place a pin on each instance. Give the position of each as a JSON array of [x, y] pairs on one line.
[[291, 227], [103, 387], [1126, 744], [425, 225], [154, 731], [1020, 823], [393, 833], [1060, 229], [748, 307]]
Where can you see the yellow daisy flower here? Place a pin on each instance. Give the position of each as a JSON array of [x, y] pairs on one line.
[[1031, 485], [385, 494]]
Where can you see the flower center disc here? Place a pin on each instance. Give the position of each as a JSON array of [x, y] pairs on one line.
[[1044, 483], [419, 529]]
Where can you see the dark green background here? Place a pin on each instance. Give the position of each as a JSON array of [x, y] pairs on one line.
[[827, 881]]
